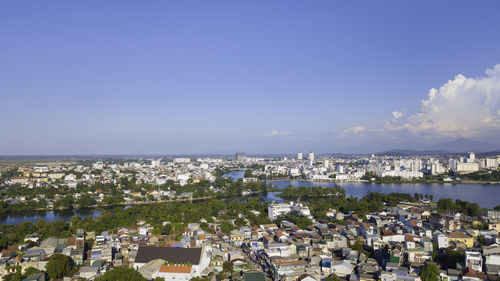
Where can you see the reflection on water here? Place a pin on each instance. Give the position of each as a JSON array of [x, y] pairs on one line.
[[486, 195], [235, 175], [48, 216]]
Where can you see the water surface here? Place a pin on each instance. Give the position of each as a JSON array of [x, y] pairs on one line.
[[486, 195], [48, 216]]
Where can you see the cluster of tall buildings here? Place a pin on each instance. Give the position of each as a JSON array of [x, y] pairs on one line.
[[310, 156]]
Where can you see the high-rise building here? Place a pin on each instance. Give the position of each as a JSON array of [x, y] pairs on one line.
[[311, 156], [415, 165], [340, 169], [299, 155], [472, 157], [241, 156], [182, 160], [274, 210], [326, 163], [155, 163], [490, 163]]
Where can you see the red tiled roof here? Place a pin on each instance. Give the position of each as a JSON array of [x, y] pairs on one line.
[[71, 241], [458, 234], [387, 232], [176, 268]]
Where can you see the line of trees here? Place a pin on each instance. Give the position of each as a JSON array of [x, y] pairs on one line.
[[482, 176], [447, 205], [296, 218], [304, 191]]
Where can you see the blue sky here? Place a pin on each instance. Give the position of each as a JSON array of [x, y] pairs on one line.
[[148, 77]]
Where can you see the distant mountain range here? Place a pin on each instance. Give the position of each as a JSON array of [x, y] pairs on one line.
[[409, 152], [465, 145], [461, 145], [379, 147]]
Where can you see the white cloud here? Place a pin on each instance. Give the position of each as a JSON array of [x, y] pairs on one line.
[[462, 107], [397, 114], [356, 131], [279, 133]]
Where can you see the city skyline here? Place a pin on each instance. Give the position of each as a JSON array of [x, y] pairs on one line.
[[223, 140], [221, 77]]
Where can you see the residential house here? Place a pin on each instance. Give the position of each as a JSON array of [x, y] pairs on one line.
[[461, 238], [196, 257]]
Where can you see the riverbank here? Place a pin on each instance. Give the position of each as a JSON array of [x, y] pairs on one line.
[[387, 181], [51, 214], [433, 182], [135, 203], [484, 193]]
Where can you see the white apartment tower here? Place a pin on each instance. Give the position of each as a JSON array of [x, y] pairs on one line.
[[311, 156], [299, 155], [472, 157], [274, 210], [155, 163], [416, 165]]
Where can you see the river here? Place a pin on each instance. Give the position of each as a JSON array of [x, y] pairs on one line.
[[485, 195], [48, 216]]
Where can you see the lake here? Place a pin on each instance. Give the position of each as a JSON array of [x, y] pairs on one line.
[[48, 216], [485, 195]]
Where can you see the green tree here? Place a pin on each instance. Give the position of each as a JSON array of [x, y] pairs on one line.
[[332, 278], [481, 239], [64, 203], [86, 201], [166, 229], [58, 266], [227, 266], [248, 173], [42, 203], [296, 218], [199, 279], [161, 279], [226, 227], [15, 276], [76, 222], [30, 270], [369, 176], [121, 273], [430, 272], [445, 204], [450, 257], [358, 246]]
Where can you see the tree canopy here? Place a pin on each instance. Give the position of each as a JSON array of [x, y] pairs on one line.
[[121, 273], [430, 273], [447, 205], [296, 218], [58, 266], [332, 278]]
